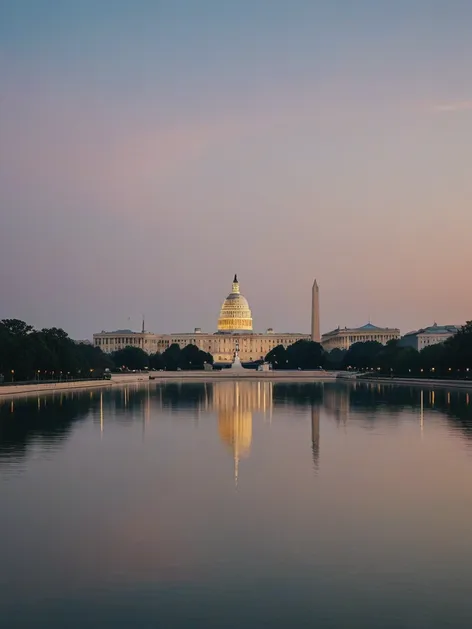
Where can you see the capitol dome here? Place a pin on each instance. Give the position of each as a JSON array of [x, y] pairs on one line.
[[235, 314]]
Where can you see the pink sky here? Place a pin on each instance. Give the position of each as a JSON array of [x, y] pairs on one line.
[[122, 195]]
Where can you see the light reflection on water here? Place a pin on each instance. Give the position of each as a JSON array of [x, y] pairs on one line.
[[237, 504]]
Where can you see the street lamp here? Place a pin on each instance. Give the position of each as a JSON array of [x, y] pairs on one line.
[[12, 375]]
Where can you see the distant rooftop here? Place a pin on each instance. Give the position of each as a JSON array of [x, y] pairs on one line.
[[368, 327], [435, 329], [119, 332]]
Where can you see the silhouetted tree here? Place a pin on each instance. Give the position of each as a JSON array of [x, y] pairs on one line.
[[277, 357], [335, 358], [363, 355], [26, 353], [458, 353], [171, 357], [305, 355], [131, 358], [300, 355], [156, 361]]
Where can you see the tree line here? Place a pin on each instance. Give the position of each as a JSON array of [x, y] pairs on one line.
[[300, 355], [50, 354], [171, 359], [453, 358]]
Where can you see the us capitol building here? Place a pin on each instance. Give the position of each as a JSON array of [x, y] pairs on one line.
[[235, 334]]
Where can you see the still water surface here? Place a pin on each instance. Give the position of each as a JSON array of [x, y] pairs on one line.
[[237, 504]]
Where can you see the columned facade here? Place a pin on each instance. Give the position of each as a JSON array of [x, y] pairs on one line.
[[343, 338], [221, 346]]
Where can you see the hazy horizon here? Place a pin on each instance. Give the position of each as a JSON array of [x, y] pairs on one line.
[[150, 150]]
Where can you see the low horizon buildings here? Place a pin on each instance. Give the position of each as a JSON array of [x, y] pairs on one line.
[[235, 334], [431, 335], [343, 338]]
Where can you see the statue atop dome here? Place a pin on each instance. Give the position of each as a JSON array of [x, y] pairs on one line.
[[235, 314], [235, 288]]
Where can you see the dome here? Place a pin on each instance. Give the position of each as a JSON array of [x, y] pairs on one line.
[[235, 314]]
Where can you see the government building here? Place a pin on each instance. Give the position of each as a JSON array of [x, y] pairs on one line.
[[235, 334], [343, 338], [432, 335]]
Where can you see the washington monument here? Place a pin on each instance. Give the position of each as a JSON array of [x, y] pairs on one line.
[[315, 313]]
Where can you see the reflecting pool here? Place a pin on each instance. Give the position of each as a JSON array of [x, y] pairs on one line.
[[237, 504]]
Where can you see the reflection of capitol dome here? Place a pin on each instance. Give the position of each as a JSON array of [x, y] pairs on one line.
[[234, 419], [235, 403], [236, 431], [235, 315]]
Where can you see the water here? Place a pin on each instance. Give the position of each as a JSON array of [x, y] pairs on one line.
[[237, 504]]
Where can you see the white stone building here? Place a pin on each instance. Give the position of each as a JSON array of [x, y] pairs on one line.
[[234, 333], [343, 338], [432, 335]]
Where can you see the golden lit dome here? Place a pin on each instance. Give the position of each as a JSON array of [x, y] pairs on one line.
[[235, 315]]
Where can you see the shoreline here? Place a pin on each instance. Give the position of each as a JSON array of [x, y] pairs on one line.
[[244, 374], [181, 377], [171, 377], [429, 383], [19, 389], [51, 387]]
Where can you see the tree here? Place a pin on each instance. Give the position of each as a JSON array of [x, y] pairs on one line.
[[156, 361], [458, 348], [335, 358], [26, 353], [16, 327], [131, 358], [277, 357], [191, 357], [305, 355], [171, 357], [363, 355]]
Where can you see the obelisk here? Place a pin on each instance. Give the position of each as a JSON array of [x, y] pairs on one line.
[[315, 313]]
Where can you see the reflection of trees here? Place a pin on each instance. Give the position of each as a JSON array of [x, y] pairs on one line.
[[184, 395], [46, 420], [123, 402], [298, 394], [395, 399], [347, 401]]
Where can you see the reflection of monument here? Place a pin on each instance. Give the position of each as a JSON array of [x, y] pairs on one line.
[[315, 435], [235, 403]]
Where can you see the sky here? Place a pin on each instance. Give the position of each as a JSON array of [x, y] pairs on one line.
[[151, 149]]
